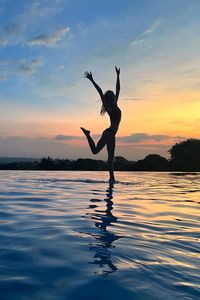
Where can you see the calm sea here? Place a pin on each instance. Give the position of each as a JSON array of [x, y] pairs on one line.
[[71, 235]]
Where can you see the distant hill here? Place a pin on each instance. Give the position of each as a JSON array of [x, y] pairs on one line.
[[15, 159]]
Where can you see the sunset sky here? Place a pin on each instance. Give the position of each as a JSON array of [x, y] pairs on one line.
[[45, 48]]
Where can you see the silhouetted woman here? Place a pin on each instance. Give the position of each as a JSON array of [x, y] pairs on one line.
[[109, 105]]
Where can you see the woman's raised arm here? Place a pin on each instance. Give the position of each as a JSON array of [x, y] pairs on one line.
[[89, 76], [117, 83]]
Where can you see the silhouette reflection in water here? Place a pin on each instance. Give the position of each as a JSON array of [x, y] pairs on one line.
[[104, 240]]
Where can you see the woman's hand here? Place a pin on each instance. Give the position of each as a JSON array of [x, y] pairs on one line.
[[88, 75], [117, 70]]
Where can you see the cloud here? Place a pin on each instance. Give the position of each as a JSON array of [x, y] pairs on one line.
[[12, 29], [20, 146], [131, 98], [41, 8], [37, 10], [10, 34], [135, 138], [143, 137], [3, 42], [137, 43], [28, 67], [13, 33], [149, 30], [62, 137], [19, 67], [153, 27], [51, 39], [60, 67]]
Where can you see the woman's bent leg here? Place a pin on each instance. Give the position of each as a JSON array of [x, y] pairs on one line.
[[108, 138], [94, 148]]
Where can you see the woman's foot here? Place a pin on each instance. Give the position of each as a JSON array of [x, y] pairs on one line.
[[112, 180], [85, 131]]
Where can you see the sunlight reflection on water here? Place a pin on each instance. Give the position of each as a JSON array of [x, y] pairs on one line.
[[71, 235]]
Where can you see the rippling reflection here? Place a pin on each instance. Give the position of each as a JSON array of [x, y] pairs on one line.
[[62, 234], [104, 239]]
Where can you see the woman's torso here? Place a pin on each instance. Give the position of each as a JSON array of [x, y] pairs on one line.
[[115, 118]]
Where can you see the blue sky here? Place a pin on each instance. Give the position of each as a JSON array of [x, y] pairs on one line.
[[45, 47]]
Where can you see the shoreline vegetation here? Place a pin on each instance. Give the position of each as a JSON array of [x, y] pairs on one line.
[[184, 156]]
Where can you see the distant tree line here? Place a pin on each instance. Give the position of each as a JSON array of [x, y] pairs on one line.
[[185, 156]]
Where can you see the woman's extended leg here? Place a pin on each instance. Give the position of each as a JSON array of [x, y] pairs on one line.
[[94, 148], [111, 155]]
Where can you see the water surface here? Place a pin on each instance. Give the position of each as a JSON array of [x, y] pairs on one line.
[[71, 235]]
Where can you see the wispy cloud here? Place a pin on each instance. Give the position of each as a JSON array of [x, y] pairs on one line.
[[38, 9], [131, 98], [15, 32], [51, 39], [153, 27], [137, 43], [12, 29], [28, 67], [25, 67], [10, 35]]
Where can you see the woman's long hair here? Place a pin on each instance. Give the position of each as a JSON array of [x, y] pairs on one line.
[[109, 97]]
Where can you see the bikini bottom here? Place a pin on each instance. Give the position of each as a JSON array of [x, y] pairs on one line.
[[110, 129]]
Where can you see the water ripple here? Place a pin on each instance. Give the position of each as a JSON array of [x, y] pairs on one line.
[[66, 236]]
